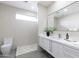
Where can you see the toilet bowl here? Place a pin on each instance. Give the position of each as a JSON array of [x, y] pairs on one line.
[[6, 47]]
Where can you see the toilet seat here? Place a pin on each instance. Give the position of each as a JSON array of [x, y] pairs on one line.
[[6, 47]]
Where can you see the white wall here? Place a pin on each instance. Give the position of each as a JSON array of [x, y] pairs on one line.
[[42, 17], [7, 21], [24, 33]]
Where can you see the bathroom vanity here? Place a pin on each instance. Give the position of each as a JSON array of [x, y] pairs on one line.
[[58, 47], [66, 20]]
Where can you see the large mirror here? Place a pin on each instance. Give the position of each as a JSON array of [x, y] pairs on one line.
[[67, 19]]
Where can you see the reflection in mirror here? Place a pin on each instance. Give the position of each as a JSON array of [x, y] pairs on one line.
[[68, 18]]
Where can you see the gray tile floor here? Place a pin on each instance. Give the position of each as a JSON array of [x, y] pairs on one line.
[[35, 54], [12, 54]]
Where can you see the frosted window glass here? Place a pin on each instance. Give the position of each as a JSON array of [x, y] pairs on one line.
[[26, 18]]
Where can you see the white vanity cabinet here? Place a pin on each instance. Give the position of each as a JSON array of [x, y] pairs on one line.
[[69, 52], [44, 43], [41, 42], [57, 50], [52, 47]]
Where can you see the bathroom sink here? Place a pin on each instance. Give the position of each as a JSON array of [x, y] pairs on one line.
[[70, 40]]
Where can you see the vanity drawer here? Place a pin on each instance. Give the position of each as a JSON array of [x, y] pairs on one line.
[[70, 51]]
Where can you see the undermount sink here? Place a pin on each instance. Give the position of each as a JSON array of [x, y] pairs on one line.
[[70, 40]]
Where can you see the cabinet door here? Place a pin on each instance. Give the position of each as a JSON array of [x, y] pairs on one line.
[[44, 43], [57, 50], [70, 52], [41, 42]]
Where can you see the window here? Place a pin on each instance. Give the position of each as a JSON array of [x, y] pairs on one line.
[[26, 18]]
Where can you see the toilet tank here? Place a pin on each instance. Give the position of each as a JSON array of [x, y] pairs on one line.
[[8, 40]]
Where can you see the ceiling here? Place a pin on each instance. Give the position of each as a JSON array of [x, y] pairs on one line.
[[46, 3], [69, 10], [27, 5]]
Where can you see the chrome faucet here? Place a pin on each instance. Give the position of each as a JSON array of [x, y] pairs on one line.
[[59, 35]]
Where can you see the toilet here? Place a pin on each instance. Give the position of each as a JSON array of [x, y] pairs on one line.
[[7, 46]]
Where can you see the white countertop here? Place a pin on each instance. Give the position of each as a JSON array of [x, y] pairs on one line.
[[74, 45]]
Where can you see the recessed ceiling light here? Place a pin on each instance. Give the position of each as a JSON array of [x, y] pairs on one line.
[[65, 10]]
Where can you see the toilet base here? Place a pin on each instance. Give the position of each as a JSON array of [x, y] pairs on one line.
[[5, 54]]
